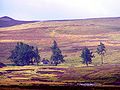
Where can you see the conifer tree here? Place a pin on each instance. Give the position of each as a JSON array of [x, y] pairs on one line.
[[86, 56], [101, 51], [37, 60], [57, 56]]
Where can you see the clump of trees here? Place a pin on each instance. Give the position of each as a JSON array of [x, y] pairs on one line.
[[86, 56], [57, 56], [24, 54], [101, 51]]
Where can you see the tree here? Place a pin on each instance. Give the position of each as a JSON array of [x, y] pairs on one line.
[[37, 59], [24, 54], [57, 56], [87, 56], [101, 51]]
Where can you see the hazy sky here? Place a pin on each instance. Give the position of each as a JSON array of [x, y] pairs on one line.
[[59, 9]]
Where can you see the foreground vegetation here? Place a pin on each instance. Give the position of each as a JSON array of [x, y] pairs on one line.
[[60, 75]]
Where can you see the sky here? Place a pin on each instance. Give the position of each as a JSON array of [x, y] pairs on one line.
[[59, 9]]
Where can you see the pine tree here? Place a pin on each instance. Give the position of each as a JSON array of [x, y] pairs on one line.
[[23, 54], [87, 56], [57, 56], [101, 51], [37, 55]]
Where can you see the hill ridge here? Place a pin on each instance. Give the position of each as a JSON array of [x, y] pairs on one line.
[[6, 21]]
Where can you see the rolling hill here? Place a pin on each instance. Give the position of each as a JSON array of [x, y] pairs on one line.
[[7, 21], [71, 35]]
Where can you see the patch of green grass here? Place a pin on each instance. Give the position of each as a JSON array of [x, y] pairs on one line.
[[2, 77], [73, 60], [53, 79]]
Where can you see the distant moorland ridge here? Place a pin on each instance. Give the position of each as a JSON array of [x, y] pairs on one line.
[[6, 21]]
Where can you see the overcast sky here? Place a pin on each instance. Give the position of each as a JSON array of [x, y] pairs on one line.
[[59, 9]]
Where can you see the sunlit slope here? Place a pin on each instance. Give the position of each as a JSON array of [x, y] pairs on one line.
[[71, 35]]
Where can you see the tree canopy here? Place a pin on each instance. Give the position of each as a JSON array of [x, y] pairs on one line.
[[101, 50], [86, 56], [57, 56], [24, 54]]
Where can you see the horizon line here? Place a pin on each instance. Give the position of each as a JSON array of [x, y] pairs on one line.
[[64, 19]]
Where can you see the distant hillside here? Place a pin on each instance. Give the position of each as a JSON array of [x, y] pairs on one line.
[[7, 21], [71, 36]]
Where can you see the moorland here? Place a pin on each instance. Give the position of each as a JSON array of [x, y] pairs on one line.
[[71, 36]]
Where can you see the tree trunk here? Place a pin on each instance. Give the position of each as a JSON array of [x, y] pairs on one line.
[[102, 58], [86, 63]]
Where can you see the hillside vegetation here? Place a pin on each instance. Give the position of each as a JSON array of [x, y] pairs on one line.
[[71, 36]]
